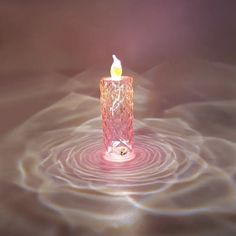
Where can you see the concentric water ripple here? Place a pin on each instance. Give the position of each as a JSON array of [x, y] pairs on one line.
[[157, 163], [67, 169]]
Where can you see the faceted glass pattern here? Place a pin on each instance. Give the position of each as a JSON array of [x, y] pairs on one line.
[[117, 116]]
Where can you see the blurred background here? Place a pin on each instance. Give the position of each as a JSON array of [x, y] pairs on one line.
[[69, 36]]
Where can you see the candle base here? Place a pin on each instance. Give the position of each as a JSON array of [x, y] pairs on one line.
[[119, 154]]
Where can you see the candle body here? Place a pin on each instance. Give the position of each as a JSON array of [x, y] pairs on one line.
[[116, 98]]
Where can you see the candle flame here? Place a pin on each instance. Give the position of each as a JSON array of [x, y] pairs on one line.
[[116, 68]]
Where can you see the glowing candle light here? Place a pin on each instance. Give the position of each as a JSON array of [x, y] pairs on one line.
[[117, 114]]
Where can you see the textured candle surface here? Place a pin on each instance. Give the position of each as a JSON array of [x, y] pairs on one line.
[[117, 117]]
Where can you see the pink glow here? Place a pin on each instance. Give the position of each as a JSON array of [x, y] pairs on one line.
[[117, 117]]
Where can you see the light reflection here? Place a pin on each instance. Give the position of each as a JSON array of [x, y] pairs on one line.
[[77, 181], [178, 171]]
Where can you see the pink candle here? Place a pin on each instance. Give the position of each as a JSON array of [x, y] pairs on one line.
[[117, 114]]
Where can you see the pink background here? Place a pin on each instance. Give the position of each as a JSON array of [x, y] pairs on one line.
[[72, 35]]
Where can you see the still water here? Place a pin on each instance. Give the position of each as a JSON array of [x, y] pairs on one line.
[[54, 180]]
